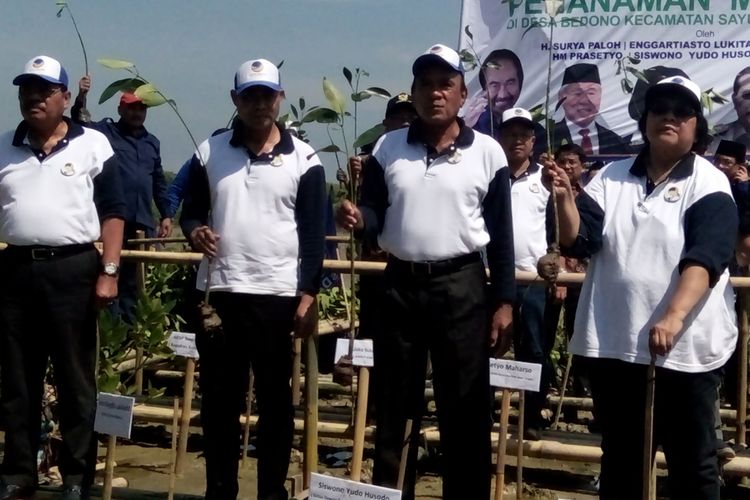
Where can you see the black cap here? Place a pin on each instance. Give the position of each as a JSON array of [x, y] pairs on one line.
[[581, 73], [733, 149], [399, 101]]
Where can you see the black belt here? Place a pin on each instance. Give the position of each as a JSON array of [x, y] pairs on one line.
[[435, 267], [43, 252]]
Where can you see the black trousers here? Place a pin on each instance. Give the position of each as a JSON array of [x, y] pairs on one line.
[[257, 331], [683, 426], [47, 310], [447, 315]]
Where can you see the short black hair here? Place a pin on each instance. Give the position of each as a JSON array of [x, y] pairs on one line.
[[736, 85], [501, 55], [571, 147], [702, 136]]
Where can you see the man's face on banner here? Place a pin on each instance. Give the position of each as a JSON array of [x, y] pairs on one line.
[[741, 100], [503, 85], [581, 102]]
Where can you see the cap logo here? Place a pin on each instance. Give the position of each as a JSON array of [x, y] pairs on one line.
[[518, 112], [436, 49], [257, 67], [678, 81], [38, 62], [402, 97]]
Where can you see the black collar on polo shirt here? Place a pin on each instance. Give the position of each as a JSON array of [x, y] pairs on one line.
[[416, 136], [22, 131], [682, 170], [531, 169], [285, 145]]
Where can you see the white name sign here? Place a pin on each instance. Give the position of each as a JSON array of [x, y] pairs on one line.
[[515, 374], [363, 353], [114, 415], [334, 488], [183, 344]]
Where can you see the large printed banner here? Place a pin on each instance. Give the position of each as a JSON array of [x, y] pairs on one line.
[[602, 52]]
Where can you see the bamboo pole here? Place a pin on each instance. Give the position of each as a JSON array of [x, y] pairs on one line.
[[248, 412], [187, 402], [502, 443], [310, 458], [560, 400], [173, 451], [296, 370], [109, 468], [140, 280], [360, 422], [648, 433], [519, 448], [402, 464], [744, 333]]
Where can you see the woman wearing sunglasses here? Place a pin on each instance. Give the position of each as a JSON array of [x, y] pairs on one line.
[[659, 229]]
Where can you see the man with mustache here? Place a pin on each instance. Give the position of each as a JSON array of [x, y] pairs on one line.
[[580, 97], [738, 130], [60, 191]]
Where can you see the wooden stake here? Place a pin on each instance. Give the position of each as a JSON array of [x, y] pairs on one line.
[[502, 443], [360, 422], [742, 370], [519, 449], [404, 455], [310, 458], [140, 280], [109, 468], [173, 452], [566, 375], [248, 412], [648, 432], [187, 404], [296, 370]]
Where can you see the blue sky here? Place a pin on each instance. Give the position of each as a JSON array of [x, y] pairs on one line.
[[191, 49]]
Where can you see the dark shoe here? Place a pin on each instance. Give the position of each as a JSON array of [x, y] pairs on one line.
[[15, 492], [532, 434], [75, 493]]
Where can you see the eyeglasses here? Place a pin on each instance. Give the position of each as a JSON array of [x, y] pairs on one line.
[[43, 91], [680, 110]]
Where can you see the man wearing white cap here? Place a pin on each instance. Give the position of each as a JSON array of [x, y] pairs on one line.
[[139, 156], [60, 192], [255, 205], [529, 202], [436, 194]]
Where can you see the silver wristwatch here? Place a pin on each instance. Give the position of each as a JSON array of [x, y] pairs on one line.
[[110, 269]]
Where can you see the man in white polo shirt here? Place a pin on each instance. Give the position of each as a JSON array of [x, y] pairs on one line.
[[529, 201], [255, 205], [60, 191], [436, 194]]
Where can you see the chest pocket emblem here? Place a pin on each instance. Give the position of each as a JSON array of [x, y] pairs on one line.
[[67, 170], [534, 188], [455, 157], [672, 194], [277, 161]]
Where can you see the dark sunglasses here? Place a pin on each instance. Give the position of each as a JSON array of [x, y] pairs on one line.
[[680, 110]]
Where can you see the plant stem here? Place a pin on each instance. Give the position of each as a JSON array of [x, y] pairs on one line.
[[550, 135], [80, 39]]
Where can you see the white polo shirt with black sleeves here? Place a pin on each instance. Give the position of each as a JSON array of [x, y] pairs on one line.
[[640, 237], [426, 205], [529, 199], [59, 198], [268, 210]]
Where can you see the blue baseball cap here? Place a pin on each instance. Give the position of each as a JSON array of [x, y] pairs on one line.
[[43, 67]]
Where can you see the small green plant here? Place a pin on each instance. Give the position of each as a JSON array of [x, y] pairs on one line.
[[64, 6]]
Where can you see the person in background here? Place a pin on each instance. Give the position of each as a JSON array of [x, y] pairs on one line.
[[139, 158], [60, 191]]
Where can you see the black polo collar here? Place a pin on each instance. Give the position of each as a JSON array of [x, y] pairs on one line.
[[465, 138], [682, 170], [531, 169], [285, 145], [22, 131]]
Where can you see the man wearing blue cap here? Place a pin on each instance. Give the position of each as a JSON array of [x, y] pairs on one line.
[[60, 191], [255, 205], [437, 297]]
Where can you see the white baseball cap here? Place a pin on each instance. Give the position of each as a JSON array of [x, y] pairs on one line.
[[517, 115], [441, 54], [43, 67], [675, 84], [257, 72]]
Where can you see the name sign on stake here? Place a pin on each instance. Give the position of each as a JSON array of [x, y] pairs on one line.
[[515, 374], [334, 488], [114, 415], [183, 344], [363, 354]]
